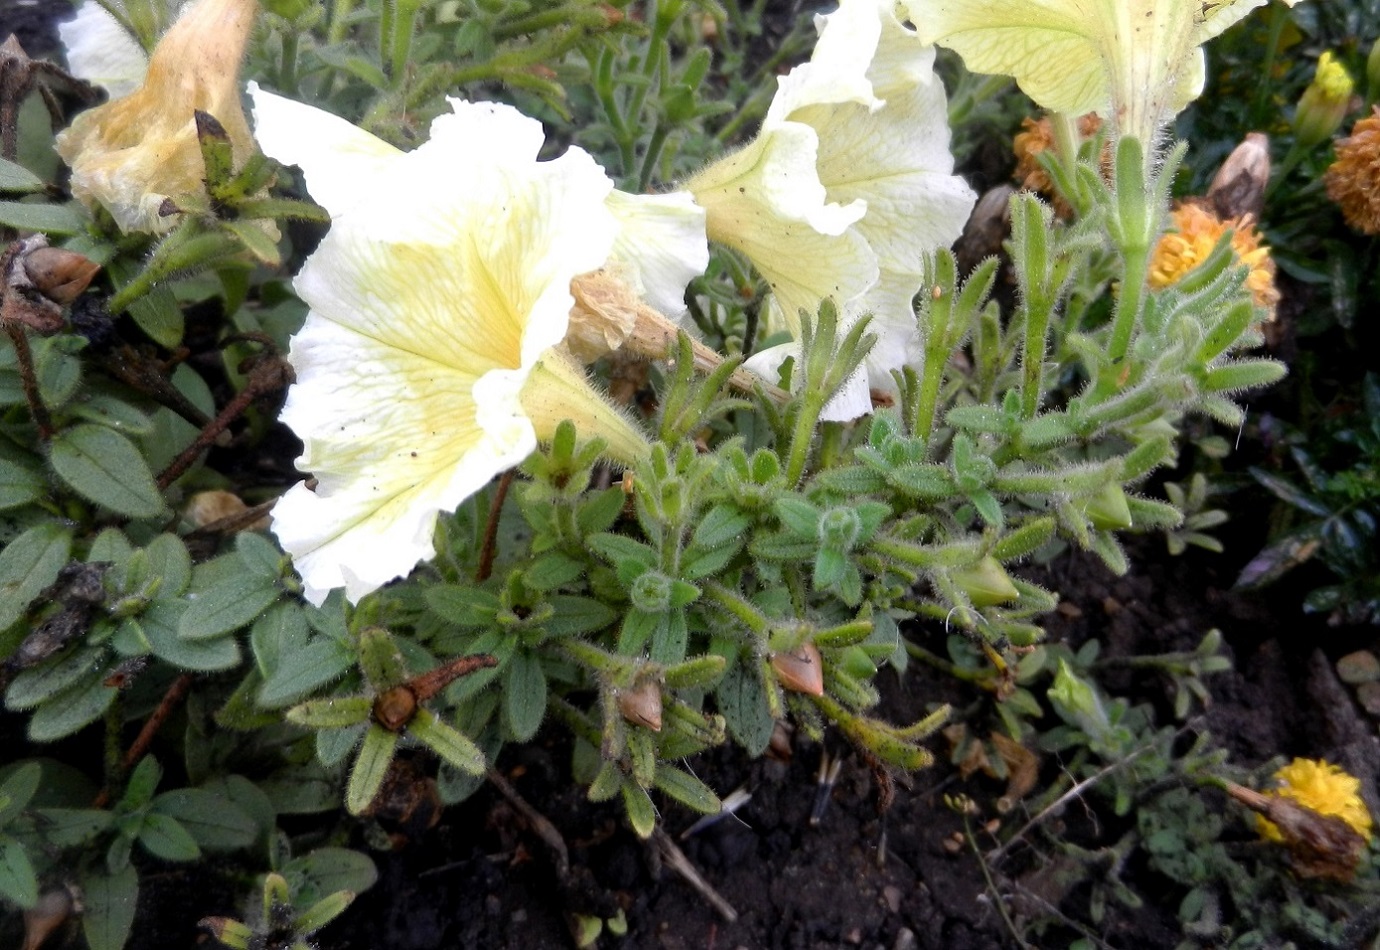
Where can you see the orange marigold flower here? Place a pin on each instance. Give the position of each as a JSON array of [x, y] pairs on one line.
[[1195, 232], [1035, 136], [1324, 788], [1353, 181]]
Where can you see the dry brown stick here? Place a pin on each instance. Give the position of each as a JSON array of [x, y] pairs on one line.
[[682, 865], [539, 823], [271, 374], [489, 551], [175, 694], [30, 381]]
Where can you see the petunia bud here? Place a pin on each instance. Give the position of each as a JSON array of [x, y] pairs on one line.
[[801, 670], [1324, 103], [1238, 188], [986, 583], [642, 704]]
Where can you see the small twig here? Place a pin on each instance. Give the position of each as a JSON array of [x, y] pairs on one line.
[[682, 865], [137, 750], [539, 823], [992, 886], [998, 853], [268, 376], [489, 550], [29, 379]]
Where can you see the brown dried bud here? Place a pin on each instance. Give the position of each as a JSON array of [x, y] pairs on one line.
[[801, 670], [51, 911], [395, 708], [218, 506], [642, 704], [1320, 846], [58, 274], [1238, 188]]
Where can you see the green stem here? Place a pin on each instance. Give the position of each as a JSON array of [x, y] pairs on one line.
[[1038, 311], [1136, 260], [287, 74], [731, 601]]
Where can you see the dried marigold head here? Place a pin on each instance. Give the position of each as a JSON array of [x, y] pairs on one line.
[[1195, 231], [1353, 181], [1036, 136], [1323, 788]]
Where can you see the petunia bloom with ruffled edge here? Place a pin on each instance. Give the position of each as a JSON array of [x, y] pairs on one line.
[[133, 153], [429, 360], [847, 188], [101, 51], [1136, 63]]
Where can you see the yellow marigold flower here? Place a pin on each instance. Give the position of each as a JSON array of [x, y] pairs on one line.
[[132, 153], [1353, 181], [1324, 788], [1195, 232]]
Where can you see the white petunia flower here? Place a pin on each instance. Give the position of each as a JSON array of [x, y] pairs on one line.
[[429, 361], [133, 153], [848, 187], [1134, 62], [101, 51]]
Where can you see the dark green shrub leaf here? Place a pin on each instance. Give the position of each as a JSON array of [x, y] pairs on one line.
[[48, 218], [15, 177], [552, 570], [371, 765], [18, 789], [687, 789], [524, 695], [70, 710], [159, 626], [447, 742], [20, 484], [17, 880], [260, 555], [109, 901], [214, 822], [303, 670], [578, 615], [28, 565], [105, 467], [165, 838], [42, 682], [326, 871], [743, 702], [232, 603]]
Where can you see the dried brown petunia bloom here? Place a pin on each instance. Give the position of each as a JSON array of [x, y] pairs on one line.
[[1353, 181]]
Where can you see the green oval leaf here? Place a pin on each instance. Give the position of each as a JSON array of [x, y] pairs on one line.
[[105, 467]]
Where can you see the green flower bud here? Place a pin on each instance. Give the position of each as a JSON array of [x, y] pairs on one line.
[[1324, 103], [1077, 701], [1108, 510], [838, 529], [651, 592], [986, 583]]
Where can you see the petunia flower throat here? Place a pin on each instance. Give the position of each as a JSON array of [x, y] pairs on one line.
[[429, 361]]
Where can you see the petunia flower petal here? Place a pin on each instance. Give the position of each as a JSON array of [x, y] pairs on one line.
[[425, 367]]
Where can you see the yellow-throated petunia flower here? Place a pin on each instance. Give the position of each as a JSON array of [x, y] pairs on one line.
[[1193, 232], [133, 153], [100, 50], [1136, 63], [847, 188], [1324, 788], [429, 361]]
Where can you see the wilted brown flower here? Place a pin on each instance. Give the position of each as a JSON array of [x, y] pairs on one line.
[[1353, 181]]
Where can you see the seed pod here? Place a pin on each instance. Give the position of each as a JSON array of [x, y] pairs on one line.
[[642, 704], [801, 670], [58, 274], [986, 583], [395, 708]]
